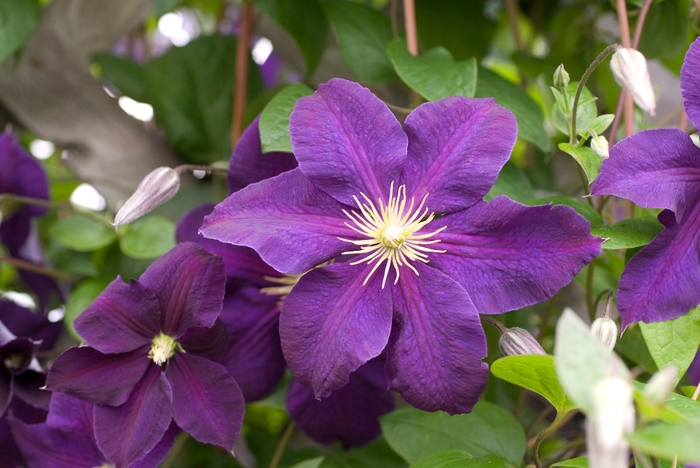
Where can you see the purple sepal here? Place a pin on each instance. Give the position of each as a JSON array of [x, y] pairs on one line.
[[25, 323], [210, 343], [349, 415], [690, 83], [331, 324], [437, 344]]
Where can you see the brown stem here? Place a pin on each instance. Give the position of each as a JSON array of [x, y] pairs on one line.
[[513, 16], [42, 270], [616, 121], [625, 39], [392, 15], [683, 121], [282, 445], [640, 22], [241, 73], [409, 13], [493, 322]]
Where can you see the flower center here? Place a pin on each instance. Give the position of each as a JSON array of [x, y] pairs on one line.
[[14, 360], [163, 348], [392, 233]]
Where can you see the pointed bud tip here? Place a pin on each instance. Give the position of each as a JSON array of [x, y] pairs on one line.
[[561, 77]]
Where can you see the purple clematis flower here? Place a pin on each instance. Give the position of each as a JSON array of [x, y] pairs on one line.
[[661, 169], [67, 439], [416, 281], [21, 174], [27, 324], [155, 355], [255, 292]]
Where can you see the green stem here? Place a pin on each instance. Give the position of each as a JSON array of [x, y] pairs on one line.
[[544, 434], [29, 200], [279, 451], [607, 51], [180, 442], [589, 291]]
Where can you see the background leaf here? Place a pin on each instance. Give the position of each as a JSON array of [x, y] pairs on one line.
[[82, 233], [587, 158], [458, 459], [18, 20], [668, 440], [488, 429], [148, 237], [274, 120], [128, 76], [581, 462], [665, 29], [434, 74], [628, 233], [363, 34], [586, 112]]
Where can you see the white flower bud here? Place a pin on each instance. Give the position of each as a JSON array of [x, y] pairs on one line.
[[662, 384], [599, 145], [612, 418], [561, 77], [630, 70], [516, 341], [605, 331], [155, 189]]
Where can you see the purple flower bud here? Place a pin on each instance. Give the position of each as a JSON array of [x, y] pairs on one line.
[[516, 341], [630, 70], [605, 331], [561, 77], [155, 189]]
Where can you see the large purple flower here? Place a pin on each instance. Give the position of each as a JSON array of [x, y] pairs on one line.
[[416, 281], [155, 355], [661, 169]]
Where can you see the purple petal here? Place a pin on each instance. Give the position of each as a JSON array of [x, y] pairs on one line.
[[28, 388], [456, 147], [207, 402], [437, 343], [331, 324], [101, 379], [282, 218], [248, 163], [70, 414], [44, 446], [240, 262], [5, 390], [690, 83], [128, 432], [189, 283], [654, 169], [160, 451], [122, 318], [506, 255], [694, 370], [21, 174], [660, 282], [347, 141], [11, 455], [211, 343], [25, 323], [351, 414], [255, 358]]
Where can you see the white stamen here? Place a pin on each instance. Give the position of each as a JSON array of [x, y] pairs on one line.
[[391, 233], [163, 348]]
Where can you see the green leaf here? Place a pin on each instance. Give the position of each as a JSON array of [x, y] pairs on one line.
[[304, 21], [674, 341], [581, 360], [456, 25], [513, 183], [665, 29], [274, 120], [80, 298], [18, 20], [82, 233], [363, 34], [668, 440], [527, 112], [161, 7], [435, 74], [310, 463], [586, 111], [581, 207], [458, 459], [628, 233], [601, 123], [589, 161], [376, 453], [191, 91], [688, 408], [631, 346], [581, 462], [536, 373], [128, 76], [148, 237], [488, 429]]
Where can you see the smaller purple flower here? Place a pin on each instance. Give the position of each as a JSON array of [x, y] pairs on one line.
[[25, 323], [661, 169], [155, 355], [67, 439]]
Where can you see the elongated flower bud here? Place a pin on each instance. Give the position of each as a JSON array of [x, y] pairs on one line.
[[661, 384], [516, 341], [612, 418], [605, 331], [561, 77], [630, 70], [155, 189], [599, 145]]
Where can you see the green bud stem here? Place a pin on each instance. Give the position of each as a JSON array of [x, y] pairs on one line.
[[607, 51]]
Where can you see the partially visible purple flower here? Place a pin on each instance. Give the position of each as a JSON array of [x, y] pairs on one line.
[[27, 324], [661, 169], [21, 174], [155, 355], [67, 440], [428, 255]]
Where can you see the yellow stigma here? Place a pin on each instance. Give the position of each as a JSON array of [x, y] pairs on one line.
[[163, 348], [392, 233]]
